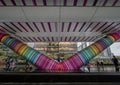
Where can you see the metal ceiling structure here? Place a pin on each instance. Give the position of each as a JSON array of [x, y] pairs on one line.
[[59, 20]]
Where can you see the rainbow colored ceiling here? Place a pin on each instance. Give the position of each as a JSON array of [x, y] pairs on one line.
[[74, 62]]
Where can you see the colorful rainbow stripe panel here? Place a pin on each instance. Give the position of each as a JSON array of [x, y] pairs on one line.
[[74, 62], [35, 57]]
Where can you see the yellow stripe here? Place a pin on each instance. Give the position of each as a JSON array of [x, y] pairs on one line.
[[17, 46], [111, 37], [95, 50], [99, 46], [3, 39], [22, 49]]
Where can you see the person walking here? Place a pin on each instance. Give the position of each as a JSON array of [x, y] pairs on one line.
[[115, 61]]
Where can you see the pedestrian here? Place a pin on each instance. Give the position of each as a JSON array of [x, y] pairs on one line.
[[102, 64], [115, 62], [98, 65]]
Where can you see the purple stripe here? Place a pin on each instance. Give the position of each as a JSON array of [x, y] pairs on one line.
[[52, 39], [88, 26], [35, 39], [61, 38], [75, 3], [2, 30], [114, 3], [34, 2], [48, 38], [23, 1], [95, 26], [22, 26], [29, 26], [13, 2], [74, 39], [95, 2], [30, 39], [62, 26], [69, 26], [65, 3], [82, 26], [85, 2], [78, 38], [69, 39], [39, 38], [16, 26], [75, 26], [56, 26], [43, 38], [65, 38], [5, 28], [43, 27], [44, 3], [2, 1], [36, 27], [101, 26], [49, 27], [9, 26], [26, 38], [113, 27], [105, 1], [107, 26], [54, 2]]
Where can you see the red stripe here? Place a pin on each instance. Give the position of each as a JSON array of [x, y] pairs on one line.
[[43, 27], [29, 26], [85, 2], [75, 26], [101, 26], [16, 26], [34, 2], [2, 1], [36, 27], [49, 27], [88, 26], [22, 26], [95, 26], [69, 26], [13, 2]]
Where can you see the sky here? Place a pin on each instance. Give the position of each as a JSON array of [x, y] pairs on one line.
[[115, 48]]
